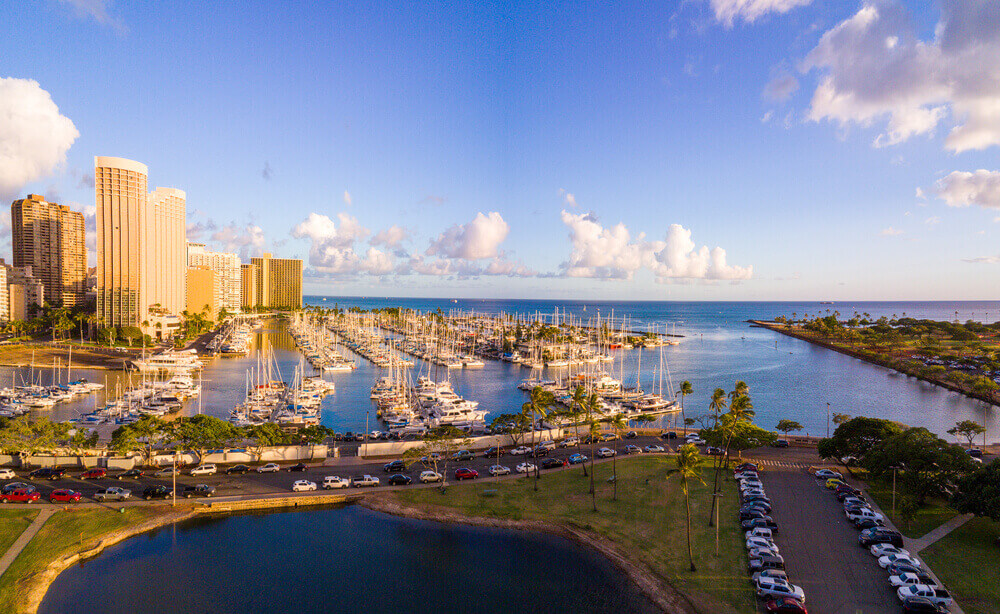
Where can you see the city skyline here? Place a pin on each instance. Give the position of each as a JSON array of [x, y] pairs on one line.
[[773, 150]]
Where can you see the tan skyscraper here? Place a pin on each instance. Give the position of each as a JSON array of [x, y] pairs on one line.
[[248, 277], [164, 250], [51, 239], [120, 197], [279, 281], [228, 281]]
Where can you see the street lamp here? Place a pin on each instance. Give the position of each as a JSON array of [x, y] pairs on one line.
[[828, 420], [894, 469]]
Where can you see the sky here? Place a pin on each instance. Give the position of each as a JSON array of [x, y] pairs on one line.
[[691, 150]]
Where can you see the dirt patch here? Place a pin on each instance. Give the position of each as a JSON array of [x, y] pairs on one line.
[[44, 355]]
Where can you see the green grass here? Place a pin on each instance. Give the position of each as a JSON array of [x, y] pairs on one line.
[[932, 514], [12, 524], [648, 520], [65, 532], [964, 560]]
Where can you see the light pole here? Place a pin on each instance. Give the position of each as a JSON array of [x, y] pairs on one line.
[[174, 476], [828, 419], [894, 469], [718, 504]]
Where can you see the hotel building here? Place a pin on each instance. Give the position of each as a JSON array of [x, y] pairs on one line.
[[51, 240], [278, 282], [228, 278]]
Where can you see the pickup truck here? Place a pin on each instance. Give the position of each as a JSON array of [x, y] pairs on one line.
[[199, 490], [365, 480], [112, 493], [21, 495], [932, 593]]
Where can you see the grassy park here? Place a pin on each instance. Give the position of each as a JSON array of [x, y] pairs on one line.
[[12, 524], [964, 559], [647, 520]]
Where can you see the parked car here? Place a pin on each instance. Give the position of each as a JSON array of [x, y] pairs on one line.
[[494, 452], [496, 470], [669, 435], [394, 466], [908, 578], [525, 468], [868, 523], [21, 495], [889, 559], [365, 480], [576, 459], [156, 492], [879, 550], [303, 485], [652, 449], [630, 449], [398, 479], [631, 435], [430, 459], [94, 474], [465, 473], [879, 535], [7, 474], [605, 453], [609, 437], [974, 452], [764, 506], [269, 468], [165, 472], [698, 441], [238, 470], [462, 456], [902, 567], [208, 469], [825, 474], [113, 493], [785, 605], [131, 474], [547, 445], [762, 542], [430, 476], [298, 467], [331, 482], [768, 573], [569, 442], [747, 466], [758, 552], [920, 605], [752, 513], [521, 451], [537, 452], [833, 483], [771, 588], [65, 495], [863, 513], [198, 490], [766, 562], [933, 594], [780, 443], [552, 463], [766, 522], [47, 473], [713, 451]]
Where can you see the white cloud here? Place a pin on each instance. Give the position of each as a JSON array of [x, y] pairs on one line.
[[247, 240], [767, 117], [391, 236], [780, 87], [34, 136], [891, 232], [728, 11], [611, 253], [874, 68], [920, 193], [932, 220], [476, 240], [961, 189], [347, 198], [331, 250], [98, 11], [983, 260], [568, 198]]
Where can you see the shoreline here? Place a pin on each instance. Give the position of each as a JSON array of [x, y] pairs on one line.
[[886, 363], [656, 588]]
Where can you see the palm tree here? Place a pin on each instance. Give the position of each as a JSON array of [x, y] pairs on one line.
[[685, 390], [718, 404], [617, 423], [688, 468], [539, 403], [594, 427], [577, 410]]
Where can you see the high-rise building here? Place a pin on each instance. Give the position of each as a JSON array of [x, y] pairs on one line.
[[228, 279], [24, 292], [248, 283], [51, 239], [120, 197], [279, 282], [202, 286], [164, 261]]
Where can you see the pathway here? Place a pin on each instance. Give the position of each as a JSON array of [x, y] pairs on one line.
[[916, 545], [24, 539]]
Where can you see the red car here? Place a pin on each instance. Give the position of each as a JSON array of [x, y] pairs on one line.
[[786, 604], [466, 474], [21, 495], [93, 474], [65, 495]]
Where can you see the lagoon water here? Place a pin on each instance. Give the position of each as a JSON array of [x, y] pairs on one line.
[[343, 560]]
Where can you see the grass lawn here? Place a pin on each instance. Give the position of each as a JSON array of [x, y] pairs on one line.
[[65, 532], [933, 513], [12, 524], [648, 519], [964, 560]]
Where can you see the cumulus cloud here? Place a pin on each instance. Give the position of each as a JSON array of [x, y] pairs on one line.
[[247, 240], [476, 240], [391, 236], [568, 198], [34, 136], [347, 198], [196, 230], [331, 250], [98, 10], [728, 11], [932, 220], [781, 86], [611, 253], [961, 189], [874, 67], [891, 232]]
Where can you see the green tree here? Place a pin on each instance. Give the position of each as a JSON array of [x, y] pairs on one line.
[[979, 492], [787, 426], [538, 405], [930, 464], [967, 429], [438, 445], [203, 432], [857, 436], [264, 435], [513, 426], [617, 424], [688, 469], [144, 435], [839, 419], [578, 413], [685, 390]]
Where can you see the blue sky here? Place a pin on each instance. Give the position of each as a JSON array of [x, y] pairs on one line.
[[832, 150]]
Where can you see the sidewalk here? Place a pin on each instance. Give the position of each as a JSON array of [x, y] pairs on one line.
[[24, 539]]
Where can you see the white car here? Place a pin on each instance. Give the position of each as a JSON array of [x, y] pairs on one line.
[[301, 485], [848, 501], [909, 579], [7, 474], [863, 513], [204, 470], [332, 481], [269, 468], [770, 588], [757, 553], [743, 475], [762, 542], [889, 559], [520, 451], [880, 550], [429, 476], [605, 453], [931, 593], [569, 442], [698, 441], [166, 472], [759, 532], [826, 474], [496, 470], [769, 573], [652, 449], [525, 468]]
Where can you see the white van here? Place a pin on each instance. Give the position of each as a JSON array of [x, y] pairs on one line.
[[204, 470], [548, 444], [760, 532]]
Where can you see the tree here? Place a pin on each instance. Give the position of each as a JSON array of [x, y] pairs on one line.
[[839, 419], [857, 436], [979, 492], [513, 426], [577, 412], [539, 403], [718, 403], [688, 469], [968, 429], [617, 424], [787, 426], [930, 464], [738, 435], [265, 435], [203, 432], [685, 390], [25, 436], [439, 444]]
